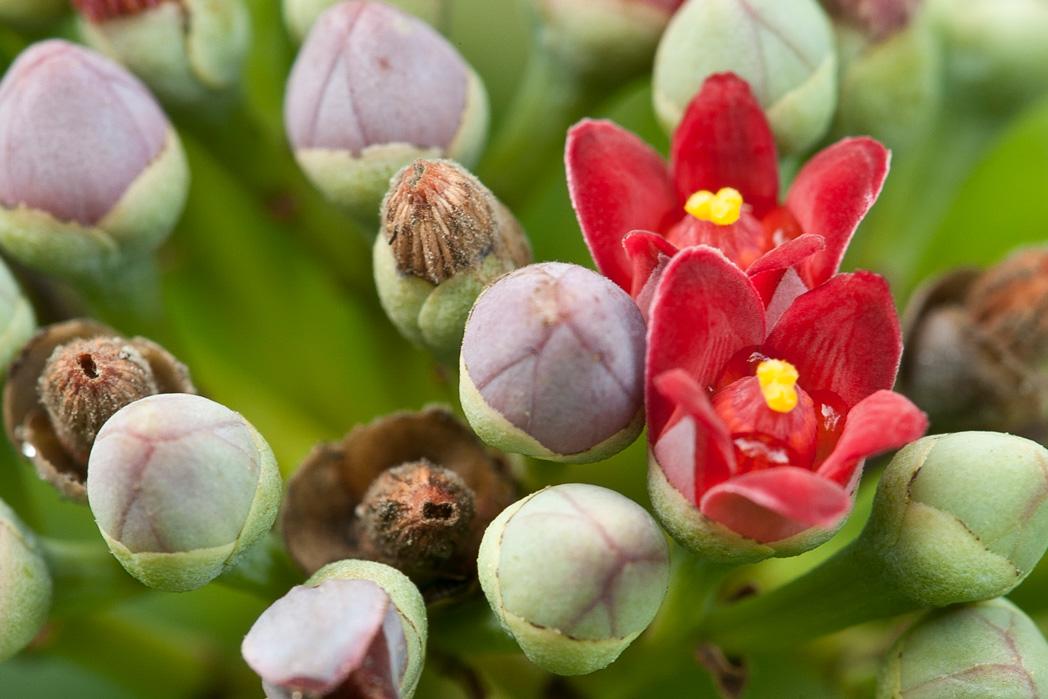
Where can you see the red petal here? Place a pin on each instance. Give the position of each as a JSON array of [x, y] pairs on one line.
[[878, 423], [776, 503], [706, 439], [704, 311], [617, 184], [832, 194], [842, 336], [649, 253], [788, 254], [724, 140]]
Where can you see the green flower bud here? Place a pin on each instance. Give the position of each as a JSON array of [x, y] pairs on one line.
[[17, 320], [552, 364], [957, 518], [783, 48], [299, 15], [445, 238], [25, 584], [995, 49], [180, 488], [30, 12], [574, 572], [185, 51], [613, 39], [889, 89], [356, 628], [986, 649], [943, 534], [372, 89], [94, 176]]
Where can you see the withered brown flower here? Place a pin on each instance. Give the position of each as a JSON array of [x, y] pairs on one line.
[[414, 490], [976, 347], [67, 381]]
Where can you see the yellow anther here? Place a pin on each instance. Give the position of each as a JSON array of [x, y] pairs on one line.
[[721, 208], [777, 379]]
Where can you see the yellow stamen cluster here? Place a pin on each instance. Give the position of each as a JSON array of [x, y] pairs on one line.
[[777, 379], [722, 208]]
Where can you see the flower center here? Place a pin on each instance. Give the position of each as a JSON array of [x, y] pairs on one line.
[[778, 380], [722, 208]]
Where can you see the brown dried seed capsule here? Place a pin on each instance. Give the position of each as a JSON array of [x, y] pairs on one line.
[[91, 372], [1009, 302], [413, 468], [84, 382], [441, 221]]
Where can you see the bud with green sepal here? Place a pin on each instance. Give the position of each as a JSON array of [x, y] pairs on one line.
[[604, 39], [17, 320], [356, 628], [891, 79], [938, 535], [575, 572], [95, 177], [25, 584], [351, 131], [181, 487], [299, 15], [552, 364], [793, 65], [444, 237], [186, 50], [985, 649]]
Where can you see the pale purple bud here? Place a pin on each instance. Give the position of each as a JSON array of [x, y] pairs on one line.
[[372, 89], [76, 130], [877, 19], [180, 487], [340, 636], [552, 364]]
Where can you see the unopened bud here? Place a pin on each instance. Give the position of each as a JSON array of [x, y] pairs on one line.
[[355, 629], [783, 48], [185, 50], [552, 364], [180, 488], [411, 490], [372, 89], [607, 39], [93, 173], [68, 380], [17, 320], [986, 649], [299, 15], [574, 572], [25, 584], [445, 237], [877, 19]]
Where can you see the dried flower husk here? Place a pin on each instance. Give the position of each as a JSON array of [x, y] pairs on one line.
[[976, 344], [26, 419], [322, 520]]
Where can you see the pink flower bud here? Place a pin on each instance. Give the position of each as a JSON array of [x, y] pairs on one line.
[[92, 171], [76, 130], [552, 364], [373, 89]]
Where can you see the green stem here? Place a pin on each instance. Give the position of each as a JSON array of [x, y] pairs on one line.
[[694, 583], [469, 629], [847, 589], [550, 98], [128, 297], [86, 577], [266, 570]]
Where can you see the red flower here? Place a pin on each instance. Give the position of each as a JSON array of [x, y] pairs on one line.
[[765, 432], [619, 184]]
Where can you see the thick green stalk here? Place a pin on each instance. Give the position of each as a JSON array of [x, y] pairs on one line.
[[266, 570], [848, 589]]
